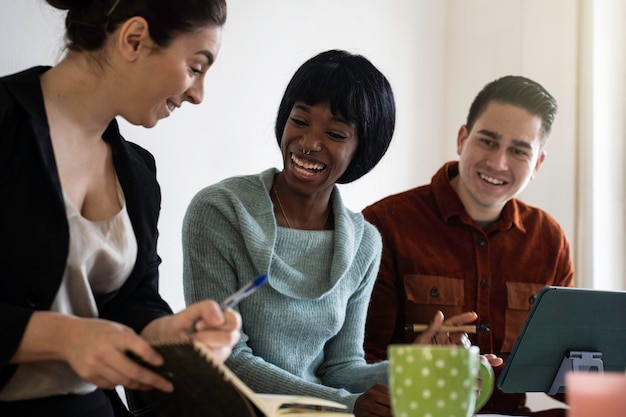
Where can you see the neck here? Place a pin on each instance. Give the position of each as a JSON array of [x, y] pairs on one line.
[[295, 212], [75, 93]]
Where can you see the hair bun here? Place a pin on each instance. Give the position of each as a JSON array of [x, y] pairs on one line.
[[67, 4]]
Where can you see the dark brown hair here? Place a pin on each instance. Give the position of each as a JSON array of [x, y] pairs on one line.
[[89, 22]]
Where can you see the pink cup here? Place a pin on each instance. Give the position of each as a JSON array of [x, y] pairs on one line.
[[591, 394]]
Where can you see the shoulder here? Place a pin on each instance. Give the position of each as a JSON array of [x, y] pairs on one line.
[[21, 90], [396, 204], [372, 235], [537, 220], [244, 196], [241, 187], [353, 227], [141, 154]]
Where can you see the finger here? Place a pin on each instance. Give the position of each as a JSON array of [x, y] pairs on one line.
[[232, 320], [212, 314], [134, 376], [460, 319], [203, 315], [379, 399], [494, 360], [427, 336], [103, 378], [217, 339], [460, 339], [142, 350], [441, 338]]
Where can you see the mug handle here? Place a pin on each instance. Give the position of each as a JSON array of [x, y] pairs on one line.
[[487, 376]]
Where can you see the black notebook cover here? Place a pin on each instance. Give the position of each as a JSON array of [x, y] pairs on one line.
[[201, 387]]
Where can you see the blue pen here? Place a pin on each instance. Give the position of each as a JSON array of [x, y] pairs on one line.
[[236, 297], [243, 292]]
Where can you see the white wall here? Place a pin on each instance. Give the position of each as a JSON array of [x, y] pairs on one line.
[[436, 54]]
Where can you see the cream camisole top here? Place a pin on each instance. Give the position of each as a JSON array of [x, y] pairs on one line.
[[100, 259]]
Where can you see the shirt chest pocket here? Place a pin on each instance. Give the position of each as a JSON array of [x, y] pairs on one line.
[[520, 297], [425, 294]]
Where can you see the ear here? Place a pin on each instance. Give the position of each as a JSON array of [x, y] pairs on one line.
[[461, 138], [133, 38], [538, 164]]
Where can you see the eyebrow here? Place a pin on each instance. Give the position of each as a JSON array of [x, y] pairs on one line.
[[306, 109], [496, 136], [208, 55]]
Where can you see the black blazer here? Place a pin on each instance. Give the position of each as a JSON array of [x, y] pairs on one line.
[[33, 224]]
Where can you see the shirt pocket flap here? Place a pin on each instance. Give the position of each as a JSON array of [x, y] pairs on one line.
[[433, 289], [521, 295]]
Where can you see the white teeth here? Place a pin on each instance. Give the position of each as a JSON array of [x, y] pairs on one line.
[[301, 163], [491, 180]]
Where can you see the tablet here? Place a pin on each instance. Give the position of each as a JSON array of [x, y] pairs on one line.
[[567, 329]]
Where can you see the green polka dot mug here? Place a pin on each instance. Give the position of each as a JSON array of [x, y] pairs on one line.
[[437, 381]]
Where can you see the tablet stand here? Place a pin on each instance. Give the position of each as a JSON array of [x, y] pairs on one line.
[[576, 361]]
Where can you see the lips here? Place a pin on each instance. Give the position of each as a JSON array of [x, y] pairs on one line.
[[491, 180], [306, 167]]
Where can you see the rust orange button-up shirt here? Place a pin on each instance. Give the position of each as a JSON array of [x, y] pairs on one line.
[[435, 257]]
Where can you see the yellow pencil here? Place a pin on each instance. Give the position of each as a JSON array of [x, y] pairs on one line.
[[417, 328]]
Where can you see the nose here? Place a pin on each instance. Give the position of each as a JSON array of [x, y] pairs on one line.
[[312, 140], [195, 93], [498, 160]]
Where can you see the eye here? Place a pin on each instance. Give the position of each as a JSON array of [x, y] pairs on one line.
[[519, 152], [336, 136], [488, 142], [195, 71], [297, 121]]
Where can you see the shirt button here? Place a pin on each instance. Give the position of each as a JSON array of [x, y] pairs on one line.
[[484, 325], [482, 242], [484, 283], [532, 299], [434, 292]]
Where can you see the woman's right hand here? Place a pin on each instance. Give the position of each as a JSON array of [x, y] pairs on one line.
[[375, 402], [95, 349]]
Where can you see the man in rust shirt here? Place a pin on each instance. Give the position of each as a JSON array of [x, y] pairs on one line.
[[464, 242]]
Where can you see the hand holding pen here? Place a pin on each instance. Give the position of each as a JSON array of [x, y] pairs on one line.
[[235, 298], [452, 331]]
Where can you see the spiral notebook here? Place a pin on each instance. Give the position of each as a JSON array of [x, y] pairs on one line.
[[204, 386]]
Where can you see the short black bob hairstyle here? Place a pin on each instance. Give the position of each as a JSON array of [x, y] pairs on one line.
[[355, 89]]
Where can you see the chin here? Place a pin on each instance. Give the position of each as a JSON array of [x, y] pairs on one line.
[[150, 122]]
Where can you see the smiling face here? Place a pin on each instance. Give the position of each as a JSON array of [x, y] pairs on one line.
[[498, 158], [165, 78], [331, 140]]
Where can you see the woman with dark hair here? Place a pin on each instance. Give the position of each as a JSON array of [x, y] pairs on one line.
[[303, 331], [80, 205]]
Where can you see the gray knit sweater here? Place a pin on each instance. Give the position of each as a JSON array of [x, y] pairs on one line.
[[302, 333]]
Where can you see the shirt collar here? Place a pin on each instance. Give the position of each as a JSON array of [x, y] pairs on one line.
[[450, 204]]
